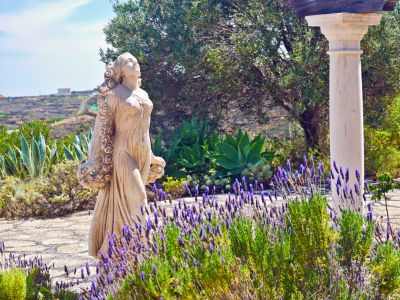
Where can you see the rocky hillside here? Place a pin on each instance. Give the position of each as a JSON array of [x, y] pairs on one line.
[[14, 110]]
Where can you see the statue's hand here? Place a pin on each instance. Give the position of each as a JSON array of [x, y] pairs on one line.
[[157, 160], [156, 168]]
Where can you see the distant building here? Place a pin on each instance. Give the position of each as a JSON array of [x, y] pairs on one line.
[[63, 91], [2, 97]]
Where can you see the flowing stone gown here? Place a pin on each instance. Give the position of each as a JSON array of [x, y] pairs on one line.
[[119, 202]]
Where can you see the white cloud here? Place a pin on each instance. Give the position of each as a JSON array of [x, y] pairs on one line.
[[40, 50]]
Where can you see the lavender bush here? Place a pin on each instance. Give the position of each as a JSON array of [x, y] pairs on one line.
[[23, 277], [284, 243]]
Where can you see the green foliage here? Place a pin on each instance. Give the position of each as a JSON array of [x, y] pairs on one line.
[[385, 267], [13, 284], [174, 278], [356, 235], [384, 185], [174, 187], [379, 190], [31, 129], [302, 257], [206, 57], [194, 158], [32, 160], [234, 154], [206, 160], [382, 142], [188, 151], [57, 194], [38, 284], [193, 131], [80, 147], [311, 238]]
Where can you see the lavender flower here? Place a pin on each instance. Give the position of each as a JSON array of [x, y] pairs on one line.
[[358, 176], [320, 169], [288, 166], [180, 241], [335, 167], [66, 270], [87, 269], [155, 270]]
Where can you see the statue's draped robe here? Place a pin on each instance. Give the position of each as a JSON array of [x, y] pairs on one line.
[[119, 202]]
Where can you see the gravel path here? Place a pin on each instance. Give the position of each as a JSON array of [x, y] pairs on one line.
[[63, 240]]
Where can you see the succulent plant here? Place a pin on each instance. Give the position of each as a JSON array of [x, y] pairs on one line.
[[80, 147], [33, 160], [234, 154]]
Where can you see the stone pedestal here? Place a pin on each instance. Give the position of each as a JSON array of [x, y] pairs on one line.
[[344, 32]]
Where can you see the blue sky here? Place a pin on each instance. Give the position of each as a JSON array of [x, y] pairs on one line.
[[48, 44]]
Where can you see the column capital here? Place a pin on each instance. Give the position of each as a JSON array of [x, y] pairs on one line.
[[343, 27]]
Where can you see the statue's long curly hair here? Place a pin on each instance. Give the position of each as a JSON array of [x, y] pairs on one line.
[[99, 176], [112, 76]]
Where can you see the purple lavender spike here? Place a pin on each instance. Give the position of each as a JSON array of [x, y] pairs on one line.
[[366, 187], [288, 166], [356, 189], [335, 167], [180, 241], [358, 176], [87, 269], [142, 274], [341, 172], [66, 270], [388, 230], [321, 168], [155, 270]]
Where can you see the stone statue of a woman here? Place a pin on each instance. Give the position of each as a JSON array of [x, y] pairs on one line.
[[120, 161]]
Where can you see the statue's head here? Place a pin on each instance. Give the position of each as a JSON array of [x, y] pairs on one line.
[[126, 65], [129, 66]]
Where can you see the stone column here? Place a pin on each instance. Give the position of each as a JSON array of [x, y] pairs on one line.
[[344, 32]]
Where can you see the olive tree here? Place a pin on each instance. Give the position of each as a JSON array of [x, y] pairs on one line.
[[207, 57]]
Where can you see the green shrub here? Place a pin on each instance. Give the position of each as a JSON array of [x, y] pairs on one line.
[[38, 283], [174, 187], [30, 129], [57, 194], [13, 285], [234, 154], [311, 237], [356, 235], [382, 151], [385, 267], [78, 149], [382, 144]]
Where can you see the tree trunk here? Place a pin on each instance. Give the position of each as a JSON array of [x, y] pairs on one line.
[[313, 124]]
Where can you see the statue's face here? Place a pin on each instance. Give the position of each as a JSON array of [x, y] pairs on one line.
[[130, 66]]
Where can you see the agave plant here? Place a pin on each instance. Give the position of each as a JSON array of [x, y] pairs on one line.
[[2, 167], [193, 131], [194, 159], [37, 157], [170, 154], [33, 160], [234, 154], [80, 147], [12, 164]]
